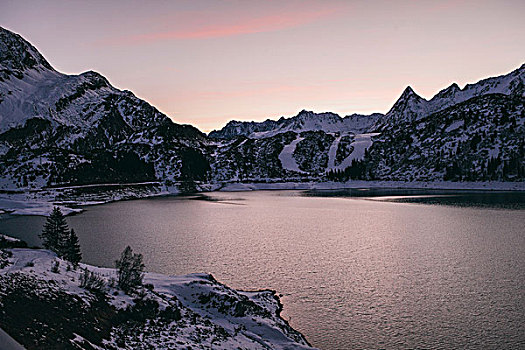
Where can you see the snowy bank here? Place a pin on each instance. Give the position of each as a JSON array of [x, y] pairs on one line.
[[44, 306], [329, 185], [69, 199]]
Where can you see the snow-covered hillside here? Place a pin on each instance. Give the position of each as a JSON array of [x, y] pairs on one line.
[[410, 106], [44, 306], [59, 130], [480, 139]]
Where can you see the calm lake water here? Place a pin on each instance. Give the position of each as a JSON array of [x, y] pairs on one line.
[[354, 273]]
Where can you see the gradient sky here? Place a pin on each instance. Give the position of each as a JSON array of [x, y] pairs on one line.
[[207, 62]]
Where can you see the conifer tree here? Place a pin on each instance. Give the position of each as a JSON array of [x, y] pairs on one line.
[[73, 253], [130, 269], [62, 247], [55, 230]]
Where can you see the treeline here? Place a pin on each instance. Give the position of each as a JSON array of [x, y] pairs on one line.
[[495, 168], [102, 167], [356, 171], [492, 169]]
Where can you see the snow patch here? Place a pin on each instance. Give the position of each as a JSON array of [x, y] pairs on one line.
[[455, 125], [286, 156], [361, 143]]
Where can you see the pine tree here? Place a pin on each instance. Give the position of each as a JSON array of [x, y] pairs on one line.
[[62, 248], [130, 269], [55, 231], [73, 253]]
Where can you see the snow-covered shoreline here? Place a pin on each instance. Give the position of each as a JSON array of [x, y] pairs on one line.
[[42, 202], [210, 313], [443, 185]]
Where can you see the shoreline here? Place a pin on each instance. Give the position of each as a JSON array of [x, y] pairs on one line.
[[252, 317], [41, 202], [437, 185]]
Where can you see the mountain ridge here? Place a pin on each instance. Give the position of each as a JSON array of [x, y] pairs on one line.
[[74, 122], [62, 130], [409, 105], [303, 121]]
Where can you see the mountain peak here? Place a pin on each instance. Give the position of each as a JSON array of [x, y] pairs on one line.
[[448, 92], [304, 112], [18, 55], [407, 106], [410, 93], [408, 90], [313, 114], [408, 96]]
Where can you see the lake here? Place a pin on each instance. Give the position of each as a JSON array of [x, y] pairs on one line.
[[356, 269]]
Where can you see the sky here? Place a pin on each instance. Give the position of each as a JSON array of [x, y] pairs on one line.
[[205, 62]]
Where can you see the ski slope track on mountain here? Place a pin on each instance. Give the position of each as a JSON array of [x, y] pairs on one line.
[[60, 131]]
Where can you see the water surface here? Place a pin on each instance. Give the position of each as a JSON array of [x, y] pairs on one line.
[[354, 273]]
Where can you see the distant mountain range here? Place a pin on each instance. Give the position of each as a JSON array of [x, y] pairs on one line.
[[304, 121], [408, 108], [58, 129]]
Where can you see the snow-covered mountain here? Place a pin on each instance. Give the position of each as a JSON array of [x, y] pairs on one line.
[[312, 145], [304, 121], [31, 88], [480, 139], [407, 107], [62, 130], [410, 106], [236, 128], [71, 129]]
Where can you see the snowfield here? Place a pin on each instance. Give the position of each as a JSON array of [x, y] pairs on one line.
[[361, 143], [286, 156], [211, 315]]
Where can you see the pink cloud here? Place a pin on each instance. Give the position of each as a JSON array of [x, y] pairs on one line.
[[238, 26]]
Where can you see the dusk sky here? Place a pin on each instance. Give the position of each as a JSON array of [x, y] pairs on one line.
[[207, 62]]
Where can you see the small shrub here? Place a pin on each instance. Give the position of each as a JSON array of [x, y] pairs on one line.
[[171, 313], [143, 309], [56, 267], [92, 281]]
